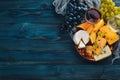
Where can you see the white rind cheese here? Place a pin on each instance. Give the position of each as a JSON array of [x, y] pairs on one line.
[[81, 35], [105, 53]]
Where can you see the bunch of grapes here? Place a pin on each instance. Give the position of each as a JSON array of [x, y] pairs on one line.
[[108, 9], [75, 13]]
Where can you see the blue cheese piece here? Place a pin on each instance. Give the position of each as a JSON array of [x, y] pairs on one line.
[[105, 53]]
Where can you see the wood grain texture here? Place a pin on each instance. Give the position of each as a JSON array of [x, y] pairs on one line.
[[33, 46]]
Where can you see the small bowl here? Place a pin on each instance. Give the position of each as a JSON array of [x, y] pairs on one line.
[[92, 15]]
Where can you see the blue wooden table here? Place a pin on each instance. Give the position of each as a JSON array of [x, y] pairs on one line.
[[33, 46]]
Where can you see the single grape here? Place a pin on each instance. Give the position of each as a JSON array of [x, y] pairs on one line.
[[75, 23], [74, 18], [107, 14], [78, 8], [75, 7], [70, 18], [67, 22], [78, 16], [71, 14]]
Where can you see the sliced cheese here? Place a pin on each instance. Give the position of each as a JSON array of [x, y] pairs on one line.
[[98, 25], [90, 28], [93, 37], [110, 36], [105, 53], [84, 25], [81, 44]]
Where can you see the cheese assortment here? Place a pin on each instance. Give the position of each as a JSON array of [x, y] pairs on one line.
[[93, 25], [95, 39]]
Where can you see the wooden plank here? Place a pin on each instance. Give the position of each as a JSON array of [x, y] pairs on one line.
[[32, 31], [47, 57], [41, 57], [32, 16], [23, 4], [111, 72], [27, 35], [60, 71], [33, 45]]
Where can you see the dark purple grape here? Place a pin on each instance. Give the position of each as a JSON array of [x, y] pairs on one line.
[[75, 12], [71, 10], [74, 18], [78, 8], [75, 23], [78, 16], [70, 26], [85, 6], [67, 22], [75, 7], [85, 9], [70, 18]]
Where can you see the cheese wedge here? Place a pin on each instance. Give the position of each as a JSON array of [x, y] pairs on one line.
[[105, 53], [81, 44]]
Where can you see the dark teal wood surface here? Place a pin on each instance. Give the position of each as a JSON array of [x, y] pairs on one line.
[[33, 46]]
